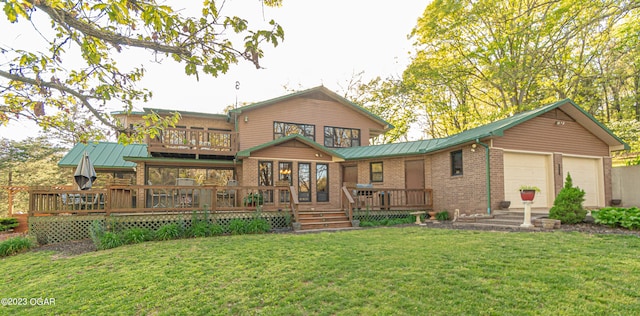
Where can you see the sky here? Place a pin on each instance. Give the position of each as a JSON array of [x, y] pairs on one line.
[[326, 43]]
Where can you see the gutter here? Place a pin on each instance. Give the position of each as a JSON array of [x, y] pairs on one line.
[[488, 173]]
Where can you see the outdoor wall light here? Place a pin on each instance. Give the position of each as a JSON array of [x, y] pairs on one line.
[[559, 123], [473, 148], [246, 119]]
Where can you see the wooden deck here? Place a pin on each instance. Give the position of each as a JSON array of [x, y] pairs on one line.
[[155, 199]]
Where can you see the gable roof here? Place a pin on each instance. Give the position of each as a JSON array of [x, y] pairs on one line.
[[297, 137], [332, 95], [493, 129], [104, 155]]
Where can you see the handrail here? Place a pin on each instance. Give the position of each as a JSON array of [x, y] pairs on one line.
[[294, 202], [350, 202], [177, 139]]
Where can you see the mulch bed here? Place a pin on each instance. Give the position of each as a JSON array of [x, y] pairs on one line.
[[74, 248]]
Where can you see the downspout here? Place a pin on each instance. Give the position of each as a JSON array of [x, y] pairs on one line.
[[488, 172]]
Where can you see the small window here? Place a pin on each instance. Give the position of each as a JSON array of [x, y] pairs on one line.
[[456, 163], [376, 172]]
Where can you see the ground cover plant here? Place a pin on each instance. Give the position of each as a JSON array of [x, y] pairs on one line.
[[618, 217], [401, 271], [15, 245]]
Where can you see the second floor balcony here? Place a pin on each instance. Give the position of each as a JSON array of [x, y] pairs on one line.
[[195, 142]]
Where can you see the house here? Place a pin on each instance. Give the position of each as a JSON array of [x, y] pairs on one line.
[[316, 143]]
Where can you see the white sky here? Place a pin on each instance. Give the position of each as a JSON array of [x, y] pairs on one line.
[[326, 43]]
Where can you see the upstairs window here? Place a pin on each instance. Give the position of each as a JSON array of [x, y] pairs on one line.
[[456, 163], [337, 137], [282, 129]]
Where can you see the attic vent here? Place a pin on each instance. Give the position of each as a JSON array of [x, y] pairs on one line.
[[318, 96]]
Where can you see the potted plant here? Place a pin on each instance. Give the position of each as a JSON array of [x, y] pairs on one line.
[[528, 192], [253, 199]]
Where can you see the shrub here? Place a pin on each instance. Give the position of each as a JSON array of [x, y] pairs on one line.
[[15, 245], [8, 223], [258, 226], [567, 206], [237, 226], [442, 216], [199, 229], [217, 230], [618, 216], [110, 240], [167, 232], [136, 235], [96, 231]]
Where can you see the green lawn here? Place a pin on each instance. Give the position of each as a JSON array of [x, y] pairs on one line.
[[399, 271]]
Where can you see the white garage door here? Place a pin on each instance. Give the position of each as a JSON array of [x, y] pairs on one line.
[[586, 173], [527, 169]]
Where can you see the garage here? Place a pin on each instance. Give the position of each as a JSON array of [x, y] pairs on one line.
[[528, 169], [586, 174]]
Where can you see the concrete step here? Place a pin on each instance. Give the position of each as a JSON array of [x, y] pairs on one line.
[[492, 225]]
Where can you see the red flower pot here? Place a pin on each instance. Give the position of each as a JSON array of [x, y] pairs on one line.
[[527, 195]]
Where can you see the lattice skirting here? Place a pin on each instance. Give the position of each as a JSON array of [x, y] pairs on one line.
[[54, 229], [374, 215]]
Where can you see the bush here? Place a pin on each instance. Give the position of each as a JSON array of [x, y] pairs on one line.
[[96, 231], [168, 232], [567, 206], [617, 216], [258, 226], [15, 245], [8, 223], [217, 230], [388, 221], [110, 240], [136, 235], [237, 226], [442, 216], [199, 229]]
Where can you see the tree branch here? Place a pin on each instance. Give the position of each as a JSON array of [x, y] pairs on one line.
[[83, 98], [66, 18]]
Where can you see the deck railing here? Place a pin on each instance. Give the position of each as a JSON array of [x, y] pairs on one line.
[[162, 199], [385, 199], [195, 141]]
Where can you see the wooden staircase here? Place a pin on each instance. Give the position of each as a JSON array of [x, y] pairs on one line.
[[325, 219]]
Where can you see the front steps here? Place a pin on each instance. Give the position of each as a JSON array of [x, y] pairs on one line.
[[323, 220]]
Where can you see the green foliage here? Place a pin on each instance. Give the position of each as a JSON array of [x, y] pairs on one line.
[[217, 230], [199, 229], [110, 240], [442, 216], [253, 199], [388, 221], [258, 226], [168, 232], [8, 223], [15, 245], [567, 206], [64, 83], [529, 188], [136, 235], [96, 231], [238, 226], [618, 217], [478, 61]]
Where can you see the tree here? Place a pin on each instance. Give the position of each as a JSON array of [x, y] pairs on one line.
[[68, 83], [478, 61], [33, 161], [567, 207]]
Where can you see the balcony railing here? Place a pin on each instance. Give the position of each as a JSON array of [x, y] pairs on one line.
[[374, 199], [157, 199], [195, 141]]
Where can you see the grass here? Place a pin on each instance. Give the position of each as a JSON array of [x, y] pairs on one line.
[[384, 271]]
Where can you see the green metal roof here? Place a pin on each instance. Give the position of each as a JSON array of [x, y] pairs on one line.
[[324, 90], [493, 129], [170, 161], [104, 155], [247, 152]]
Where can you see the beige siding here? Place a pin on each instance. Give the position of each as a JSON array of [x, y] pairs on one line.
[[543, 135], [256, 125]]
